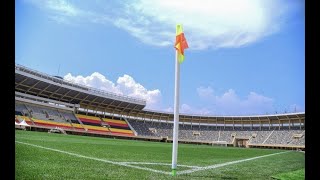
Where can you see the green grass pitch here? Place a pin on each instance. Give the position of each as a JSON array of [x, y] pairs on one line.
[[40, 155]]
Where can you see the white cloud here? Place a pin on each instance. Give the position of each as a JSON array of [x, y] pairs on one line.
[[65, 12], [205, 92], [95, 80], [229, 103], [130, 87], [58, 7], [187, 109], [63, 7], [207, 23], [125, 85], [169, 109]]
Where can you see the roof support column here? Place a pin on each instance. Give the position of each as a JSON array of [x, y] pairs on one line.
[[289, 124], [260, 123], [232, 123], [300, 123], [216, 123], [269, 124], [241, 123]]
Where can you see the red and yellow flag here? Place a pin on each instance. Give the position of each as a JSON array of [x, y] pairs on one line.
[[181, 43]]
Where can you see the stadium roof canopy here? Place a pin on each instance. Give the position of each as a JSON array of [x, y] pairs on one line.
[[197, 119], [42, 85]]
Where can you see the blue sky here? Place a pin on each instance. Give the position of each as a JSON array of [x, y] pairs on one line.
[[244, 57]]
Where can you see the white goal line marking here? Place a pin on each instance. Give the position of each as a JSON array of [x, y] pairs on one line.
[[227, 163], [128, 164]]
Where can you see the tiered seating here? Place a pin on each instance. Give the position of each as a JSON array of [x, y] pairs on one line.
[[46, 116], [211, 133], [37, 112], [92, 124], [69, 116], [119, 127], [282, 137], [52, 124], [202, 133], [141, 128], [261, 137], [45, 113], [162, 129], [21, 109]]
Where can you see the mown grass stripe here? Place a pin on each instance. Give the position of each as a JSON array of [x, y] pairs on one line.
[[93, 158]]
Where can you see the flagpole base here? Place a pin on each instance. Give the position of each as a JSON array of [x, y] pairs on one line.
[[174, 172]]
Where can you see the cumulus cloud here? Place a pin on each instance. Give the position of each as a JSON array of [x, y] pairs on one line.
[[205, 92], [125, 85], [229, 103], [95, 80], [187, 109], [129, 86], [207, 23]]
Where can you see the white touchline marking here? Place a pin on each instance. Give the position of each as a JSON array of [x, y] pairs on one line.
[[97, 159], [227, 163]]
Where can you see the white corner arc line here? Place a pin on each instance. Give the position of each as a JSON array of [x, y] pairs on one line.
[[227, 163], [97, 159]]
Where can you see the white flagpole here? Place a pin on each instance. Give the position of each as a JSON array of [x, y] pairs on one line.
[[176, 117]]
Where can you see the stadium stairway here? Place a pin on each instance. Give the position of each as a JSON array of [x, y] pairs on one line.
[[268, 137], [78, 124], [133, 130]]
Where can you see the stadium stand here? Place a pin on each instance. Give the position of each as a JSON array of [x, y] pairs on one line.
[[47, 102], [211, 133]]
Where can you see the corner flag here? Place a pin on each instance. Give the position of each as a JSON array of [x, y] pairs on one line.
[[181, 43]]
